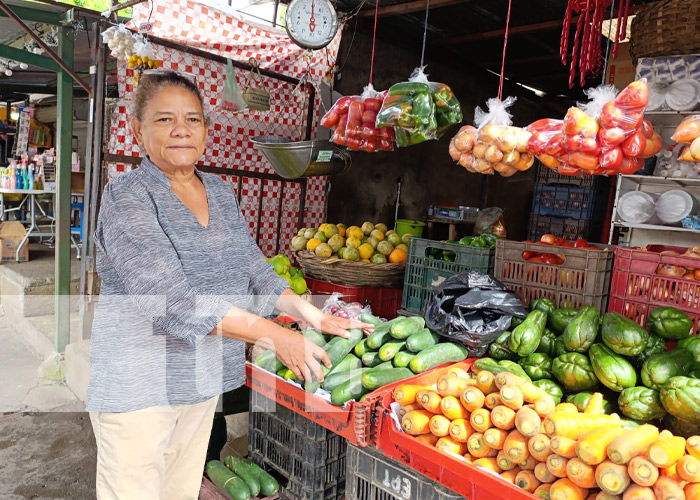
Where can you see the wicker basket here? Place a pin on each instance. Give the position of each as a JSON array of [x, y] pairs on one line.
[[346, 272], [668, 27]]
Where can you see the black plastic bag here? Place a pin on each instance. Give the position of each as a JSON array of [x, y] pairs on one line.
[[474, 309]]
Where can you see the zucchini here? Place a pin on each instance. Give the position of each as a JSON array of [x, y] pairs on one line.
[[378, 337], [370, 318], [374, 379], [227, 481], [403, 329], [336, 349], [349, 362], [390, 349], [361, 348], [422, 340], [350, 389], [315, 337], [264, 358], [334, 380], [268, 484], [437, 355], [403, 358], [371, 359], [242, 470]]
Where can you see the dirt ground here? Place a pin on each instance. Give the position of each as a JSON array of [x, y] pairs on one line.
[[48, 455]]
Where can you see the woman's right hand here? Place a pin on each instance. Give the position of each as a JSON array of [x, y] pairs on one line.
[[301, 356]]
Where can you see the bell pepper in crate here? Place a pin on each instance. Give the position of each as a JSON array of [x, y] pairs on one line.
[[681, 398], [641, 404], [614, 371], [575, 372], [658, 369], [655, 345], [623, 335], [669, 323], [559, 319], [582, 331], [537, 366], [526, 336]]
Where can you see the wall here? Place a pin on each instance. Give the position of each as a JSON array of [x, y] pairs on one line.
[[428, 174]]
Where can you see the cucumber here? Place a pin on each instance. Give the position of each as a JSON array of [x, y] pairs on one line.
[[227, 481], [378, 338], [361, 348], [350, 389], [437, 355], [371, 359], [315, 337], [407, 327], [403, 358], [349, 362], [243, 471], [264, 358], [374, 379], [336, 349], [334, 380], [390, 349], [268, 484], [370, 318], [493, 366], [274, 365], [422, 340]]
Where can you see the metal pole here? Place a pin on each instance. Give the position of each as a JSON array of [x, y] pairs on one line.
[[64, 136], [57, 58], [274, 16]]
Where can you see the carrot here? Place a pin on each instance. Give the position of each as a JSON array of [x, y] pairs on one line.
[[665, 434], [478, 448], [405, 394], [529, 464], [688, 469], [405, 409], [564, 489], [636, 492], [532, 393], [488, 463], [486, 382], [495, 438], [451, 386], [430, 400], [642, 471], [504, 462], [594, 405], [460, 430], [492, 400], [510, 475], [580, 473], [670, 472], [512, 396], [692, 445], [692, 491], [448, 444], [416, 422], [542, 491], [544, 406], [515, 446], [439, 425], [429, 439], [667, 488], [612, 478], [538, 446], [556, 464], [592, 496], [607, 496], [480, 419], [592, 448], [631, 442], [565, 408], [563, 446], [542, 473], [452, 408], [574, 425], [665, 452], [503, 417], [527, 421], [504, 378], [472, 398], [527, 481], [456, 371]]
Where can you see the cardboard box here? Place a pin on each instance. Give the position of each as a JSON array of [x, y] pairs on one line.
[[11, 235], [621, 71]]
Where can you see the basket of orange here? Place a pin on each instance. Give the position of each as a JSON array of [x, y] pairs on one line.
[[366, 255]]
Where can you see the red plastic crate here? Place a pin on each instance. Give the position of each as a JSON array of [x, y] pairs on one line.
[[383, 301], [467, 480], [637, 289]]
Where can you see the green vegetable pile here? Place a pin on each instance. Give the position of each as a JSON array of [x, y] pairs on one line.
[[573, 353], [485, 240], [395, 350]]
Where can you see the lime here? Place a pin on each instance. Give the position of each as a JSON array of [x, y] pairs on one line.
[[367, 228], [385, 248], [324, 250], [309, 234], [393, 238], [281, 264], [299, 243], [336, 242], [330, 230], [352, 254], [341, 250], [295, 271], [298, 285], [321, 236], [373, 241], [381, 227], [378, 258]]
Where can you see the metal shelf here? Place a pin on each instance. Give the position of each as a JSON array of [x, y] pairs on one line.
[[663, 112], [667, 181], [654, 227]]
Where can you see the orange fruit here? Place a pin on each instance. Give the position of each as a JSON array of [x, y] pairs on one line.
[[312, 244], [398, 256], [341, 231]]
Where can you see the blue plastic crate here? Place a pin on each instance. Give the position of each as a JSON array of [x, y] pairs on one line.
[[586, 203]]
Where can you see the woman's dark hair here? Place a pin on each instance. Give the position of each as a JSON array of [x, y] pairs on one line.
[[152, 82]]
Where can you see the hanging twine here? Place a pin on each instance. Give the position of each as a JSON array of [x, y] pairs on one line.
[[503, 61], [425, 34], [374, 39]]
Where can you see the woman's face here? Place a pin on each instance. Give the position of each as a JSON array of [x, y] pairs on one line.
[[173, 130]]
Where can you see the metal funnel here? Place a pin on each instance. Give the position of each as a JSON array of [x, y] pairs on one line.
[[292, 160]]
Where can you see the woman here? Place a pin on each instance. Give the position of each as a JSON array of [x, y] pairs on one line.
[[184, 286]]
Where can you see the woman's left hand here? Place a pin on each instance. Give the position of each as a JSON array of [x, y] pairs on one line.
[[334, 325]]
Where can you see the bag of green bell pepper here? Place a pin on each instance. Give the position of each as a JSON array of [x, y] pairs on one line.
[[559, 319], [574, 372], [543, 304], [537, 366], [669, 323], [526, 337], [582, 331]]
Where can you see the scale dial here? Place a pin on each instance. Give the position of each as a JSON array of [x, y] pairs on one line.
[[311, 24]]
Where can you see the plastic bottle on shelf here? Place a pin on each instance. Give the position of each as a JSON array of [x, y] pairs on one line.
[[30, 177], [13, 175]]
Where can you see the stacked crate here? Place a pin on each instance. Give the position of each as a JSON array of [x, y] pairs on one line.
[[568, 207]]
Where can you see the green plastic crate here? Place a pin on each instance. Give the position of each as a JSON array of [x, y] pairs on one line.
[[424, 274]]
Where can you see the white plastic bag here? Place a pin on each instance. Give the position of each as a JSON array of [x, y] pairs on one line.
[[231, 98]]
